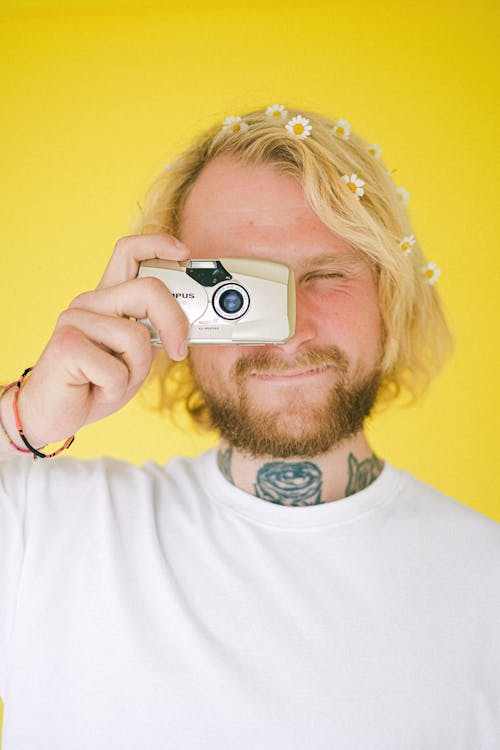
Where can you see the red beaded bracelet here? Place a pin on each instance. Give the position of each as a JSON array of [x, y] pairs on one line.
[[36, 453], [12, 444]]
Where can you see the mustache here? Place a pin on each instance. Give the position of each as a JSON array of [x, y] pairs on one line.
[[267, 362]]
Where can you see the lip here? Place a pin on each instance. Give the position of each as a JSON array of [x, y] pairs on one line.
[[290, 376]]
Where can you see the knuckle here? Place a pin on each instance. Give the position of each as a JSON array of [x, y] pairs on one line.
[[122, 245], [80, 300], [154, 287], [140, 368], [66, 337], [138, 343], [66, 318], [168, 240], [119, 375], [142, 335]]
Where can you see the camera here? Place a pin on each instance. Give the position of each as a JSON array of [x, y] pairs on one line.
[[229, 300]]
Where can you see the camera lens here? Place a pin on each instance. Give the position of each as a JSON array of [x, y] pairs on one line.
[[231, 301]]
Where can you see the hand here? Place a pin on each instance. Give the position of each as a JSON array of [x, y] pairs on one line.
[[97, 358]]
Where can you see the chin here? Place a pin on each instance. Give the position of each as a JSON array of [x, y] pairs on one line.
[[290, 396], [296, 431], [293, 419]]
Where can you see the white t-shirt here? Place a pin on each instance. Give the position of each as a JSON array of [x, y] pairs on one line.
[[161, 608]]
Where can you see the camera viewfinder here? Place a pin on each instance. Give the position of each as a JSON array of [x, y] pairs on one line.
[[207, 272]]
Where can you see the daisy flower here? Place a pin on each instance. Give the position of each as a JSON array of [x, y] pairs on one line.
[[342, 129], [407, 243], [234, 125], [403, 195], [277, 111], [354, 184], [299, 127], [375, 150], [431, 273]]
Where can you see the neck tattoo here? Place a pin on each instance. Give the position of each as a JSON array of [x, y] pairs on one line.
[[301, 483]]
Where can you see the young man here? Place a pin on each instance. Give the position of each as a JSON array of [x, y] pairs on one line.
[[291, 589]]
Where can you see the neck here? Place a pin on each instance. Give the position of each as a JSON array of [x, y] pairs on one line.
[[341, 472]]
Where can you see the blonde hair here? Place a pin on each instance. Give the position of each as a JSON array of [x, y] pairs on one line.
[[417, 340]]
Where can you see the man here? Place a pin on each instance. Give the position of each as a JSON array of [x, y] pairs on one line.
[[291, 589]]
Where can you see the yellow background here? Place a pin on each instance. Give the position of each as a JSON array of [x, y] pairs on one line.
[[97, 96]]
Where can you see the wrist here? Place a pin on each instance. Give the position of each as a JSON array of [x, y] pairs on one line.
[[9, 436], [9, 431], [32, 444]]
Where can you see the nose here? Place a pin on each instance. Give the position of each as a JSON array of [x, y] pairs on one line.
[[305, 325]]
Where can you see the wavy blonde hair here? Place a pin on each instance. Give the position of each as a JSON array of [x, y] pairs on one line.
[[417, 340]]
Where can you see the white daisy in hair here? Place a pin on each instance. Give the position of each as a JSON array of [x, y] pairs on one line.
[[277, 112], [355, 184], [234, 125], [375, 151], [342, 129], [431, 273], [403, 195], [299, 127], [407, 243]]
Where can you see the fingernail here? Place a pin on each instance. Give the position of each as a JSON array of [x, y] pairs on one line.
[[179, 244]]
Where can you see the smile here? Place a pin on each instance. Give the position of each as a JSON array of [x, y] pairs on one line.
[[290, 375]]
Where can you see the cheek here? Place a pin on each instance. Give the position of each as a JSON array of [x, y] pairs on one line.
[[352, 317]]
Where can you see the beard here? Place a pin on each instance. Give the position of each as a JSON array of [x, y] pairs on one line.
[[298, 427]]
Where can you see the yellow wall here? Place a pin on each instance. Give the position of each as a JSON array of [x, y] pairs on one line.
[[97, 96]]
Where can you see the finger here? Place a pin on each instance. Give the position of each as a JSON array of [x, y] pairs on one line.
[[146, 297], [84, 363], [80, 383], [130, 251], [124, 339]]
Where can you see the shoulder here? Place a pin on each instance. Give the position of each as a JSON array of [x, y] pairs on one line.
[[55, 482], [425, 496], [65, 498], [23, 471], [74, 470], [443, 519]]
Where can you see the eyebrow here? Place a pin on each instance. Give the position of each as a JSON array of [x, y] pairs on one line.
[[345, 257]]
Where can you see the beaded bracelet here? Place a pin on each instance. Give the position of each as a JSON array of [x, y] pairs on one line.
[[36, 453], [2, 426]]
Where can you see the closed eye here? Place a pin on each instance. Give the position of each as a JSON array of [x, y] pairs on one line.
[[326, 276]]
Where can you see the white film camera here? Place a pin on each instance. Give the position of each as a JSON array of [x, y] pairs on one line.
[[229, 300]]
